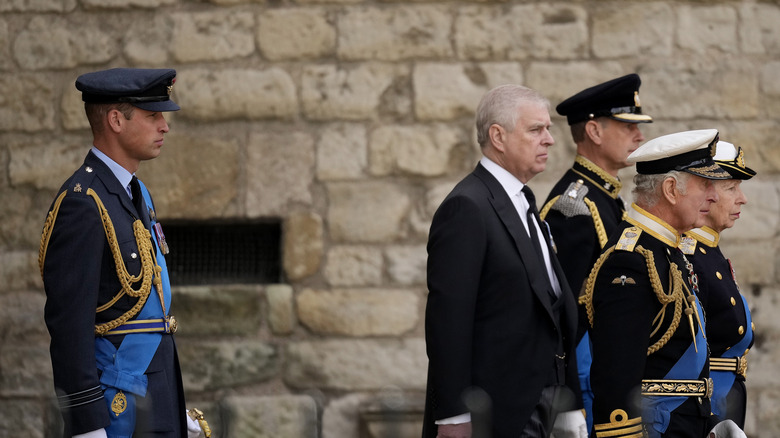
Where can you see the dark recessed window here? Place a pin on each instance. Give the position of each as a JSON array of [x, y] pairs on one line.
[[204, 253]]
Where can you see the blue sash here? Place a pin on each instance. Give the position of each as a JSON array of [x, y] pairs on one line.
[[123, 369], [584, 360], [724, 380], [657, 410]]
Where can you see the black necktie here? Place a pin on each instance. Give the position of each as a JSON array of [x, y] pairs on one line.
[[138, 198], [532, 216]]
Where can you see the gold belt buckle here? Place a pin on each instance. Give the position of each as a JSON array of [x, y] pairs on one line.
[[170, 324], [742, 366]]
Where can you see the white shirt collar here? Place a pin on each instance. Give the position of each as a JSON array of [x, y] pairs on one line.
[[119, 172], [508, 181]]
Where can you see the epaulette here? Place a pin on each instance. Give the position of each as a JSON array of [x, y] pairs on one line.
[[81, 180], [628, 239], [572, 201]]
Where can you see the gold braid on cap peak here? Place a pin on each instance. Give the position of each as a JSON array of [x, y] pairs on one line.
[[150, 270], [675, 295]]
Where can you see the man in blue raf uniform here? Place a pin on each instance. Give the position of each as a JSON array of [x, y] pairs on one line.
[[729, 326], [584, 207], [116, 370], [650, 373]]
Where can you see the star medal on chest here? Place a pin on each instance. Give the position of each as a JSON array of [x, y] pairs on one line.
[[158, 232]]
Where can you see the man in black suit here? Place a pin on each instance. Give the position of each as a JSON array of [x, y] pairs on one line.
[[102, 258], [500, 319]]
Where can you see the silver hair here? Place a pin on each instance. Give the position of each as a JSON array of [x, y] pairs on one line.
[[647, 187], [500, 106]]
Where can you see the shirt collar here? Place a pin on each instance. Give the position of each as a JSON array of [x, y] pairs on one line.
[[653, 225], [511, 185], [119, 172], [705, 235]]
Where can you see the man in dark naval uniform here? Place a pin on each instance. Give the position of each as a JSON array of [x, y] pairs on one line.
[[729, 325], [584, 207], [102, 258], [650, 373]]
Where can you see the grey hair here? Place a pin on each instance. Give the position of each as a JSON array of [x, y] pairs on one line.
[[500, 106], [647, 187]]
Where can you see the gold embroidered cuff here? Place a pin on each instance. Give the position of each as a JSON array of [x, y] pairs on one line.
[[620, 426], [737, 365]]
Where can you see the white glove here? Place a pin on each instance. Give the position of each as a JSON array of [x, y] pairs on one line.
[[100, 433], [193, 428], [570, 424], [727, 429]]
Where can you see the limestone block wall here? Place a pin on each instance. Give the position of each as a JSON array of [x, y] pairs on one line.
[[350, 120]]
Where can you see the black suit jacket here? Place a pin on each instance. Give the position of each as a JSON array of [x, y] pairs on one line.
[[489, 320], [79, 275]]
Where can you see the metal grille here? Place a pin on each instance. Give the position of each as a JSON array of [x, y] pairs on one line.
[[223, 253]]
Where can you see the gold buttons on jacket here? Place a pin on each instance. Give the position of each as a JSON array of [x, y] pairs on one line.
[[733, 301], [717, 274], [741, 330]]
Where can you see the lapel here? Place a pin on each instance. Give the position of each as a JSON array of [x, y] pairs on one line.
[[114, 188], [507, 213]]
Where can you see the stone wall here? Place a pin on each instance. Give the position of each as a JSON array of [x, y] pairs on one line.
[[350, 120]]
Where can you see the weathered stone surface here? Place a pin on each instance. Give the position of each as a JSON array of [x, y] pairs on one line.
[[46, 164], [407, 264], [341, 417], [37, 6], [342, 152], [557, 83], [6, 61], [190, 167], [22, 418], [54, 42], [281, 309], [395, 33], [303, 245], [213, 365], [751, 269], [212, 36], [616, 33], [293, 416], [269, 188], [356, 364], [22, 313], [685, 88], [717, 34], [20, 113], [761, 213], [72, 110], [495, 32], [770, 88], [295, 33], [25, 370], [459, 95], [19, 269], [358, 312], [233, 93], [758, 31], [330, 92], [367, 212], [354, 266], [126, 4], [414, 150], [143, 36], [217, 311]]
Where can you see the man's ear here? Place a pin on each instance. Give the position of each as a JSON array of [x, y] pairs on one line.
[[669, 190], [497, 135], [594, 131], [115, 120]]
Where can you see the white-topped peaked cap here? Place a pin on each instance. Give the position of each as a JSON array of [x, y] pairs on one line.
[[687, 151], [732, 159]]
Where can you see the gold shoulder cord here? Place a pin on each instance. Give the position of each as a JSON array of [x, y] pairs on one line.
[[150, 270], [597, 222], [547, 207], [601, 233], [675, 296]]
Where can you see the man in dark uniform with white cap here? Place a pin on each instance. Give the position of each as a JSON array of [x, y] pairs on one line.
[[650, 373], [584, 207], [102, 258]]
